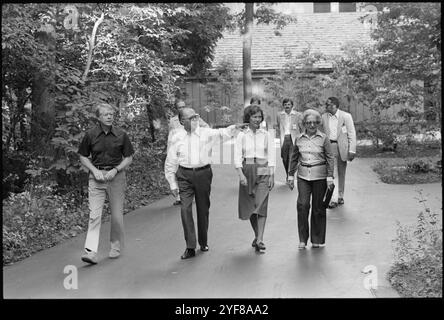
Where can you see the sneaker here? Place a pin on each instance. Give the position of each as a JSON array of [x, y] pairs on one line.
[[114, 253], [89, 257], [340, 201], [301, 245]]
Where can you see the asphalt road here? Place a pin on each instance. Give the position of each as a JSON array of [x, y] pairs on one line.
[[359, 234]]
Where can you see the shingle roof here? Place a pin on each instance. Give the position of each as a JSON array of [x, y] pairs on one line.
[[324, 32]]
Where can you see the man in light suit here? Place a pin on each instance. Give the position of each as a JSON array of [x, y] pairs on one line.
[[339, 127], [289, 122]]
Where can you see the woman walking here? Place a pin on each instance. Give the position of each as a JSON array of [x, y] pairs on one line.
[[255, 160], [313, 160]]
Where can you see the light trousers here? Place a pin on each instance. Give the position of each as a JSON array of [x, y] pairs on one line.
[[97, 192], [340, 170]]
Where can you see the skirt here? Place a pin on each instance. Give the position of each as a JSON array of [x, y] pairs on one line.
[[253, 198]]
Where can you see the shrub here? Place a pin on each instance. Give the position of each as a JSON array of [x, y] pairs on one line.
[[37, 219], [417, 269], [417, 166]]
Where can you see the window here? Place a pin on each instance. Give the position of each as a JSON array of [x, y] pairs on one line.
[[320, 7], [347, 6]]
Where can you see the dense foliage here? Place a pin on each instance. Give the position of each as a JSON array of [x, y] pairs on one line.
[[58, 62], [417, 271]]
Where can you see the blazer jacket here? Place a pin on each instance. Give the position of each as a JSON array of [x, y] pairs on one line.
[[295, 125], [346, 133]]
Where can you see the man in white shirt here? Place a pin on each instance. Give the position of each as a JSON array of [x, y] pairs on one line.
[[188, 171], [290, 126], [339, 127], [173, 125]]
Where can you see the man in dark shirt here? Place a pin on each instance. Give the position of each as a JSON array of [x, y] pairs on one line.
[[111, 152]]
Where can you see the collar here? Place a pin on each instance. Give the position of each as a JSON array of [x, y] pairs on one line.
[[291, 112], [318, 133], [260, 130], [334, 115], [196, 132], [99, 128]]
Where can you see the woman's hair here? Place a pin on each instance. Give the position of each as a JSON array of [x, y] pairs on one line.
[[287, 100], [102, 106], [311, 112], [255, 100], [250, 110]]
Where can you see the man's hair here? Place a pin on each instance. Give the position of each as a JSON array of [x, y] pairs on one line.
[[179, 100], [255, 100], [101, 106], [335, 101], [250, 110], [287, 100], [182, 111]]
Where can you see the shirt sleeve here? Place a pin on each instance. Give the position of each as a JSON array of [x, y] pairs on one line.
[[128, 149], [84, 147], [238, 151], [294, 159], [224, 133], [329, 157], [171, 164], [271, 150]]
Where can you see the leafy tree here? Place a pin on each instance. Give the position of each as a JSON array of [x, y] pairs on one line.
[[130, 55], [408, 36]]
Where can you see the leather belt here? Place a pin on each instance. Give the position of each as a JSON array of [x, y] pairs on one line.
[[196, 169], [313, 165], [105, 167], [333, 141]]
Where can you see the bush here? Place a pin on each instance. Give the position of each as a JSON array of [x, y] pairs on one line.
[[37, 219], [145, 176], [417, 166], [417, 269]]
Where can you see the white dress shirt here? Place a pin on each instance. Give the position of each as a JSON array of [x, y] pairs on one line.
[[287, 123], [192, 150], [333, 125], [254, 145]]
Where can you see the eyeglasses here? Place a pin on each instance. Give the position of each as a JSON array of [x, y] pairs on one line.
[[312, 123]]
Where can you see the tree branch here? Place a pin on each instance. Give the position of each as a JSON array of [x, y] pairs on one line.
[[91, 45]]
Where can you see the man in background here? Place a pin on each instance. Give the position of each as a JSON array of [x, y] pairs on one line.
[[289, 122], [340, 129]]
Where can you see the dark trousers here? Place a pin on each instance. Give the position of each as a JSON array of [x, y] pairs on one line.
[[286, 149], [316, 190], [195, 184]]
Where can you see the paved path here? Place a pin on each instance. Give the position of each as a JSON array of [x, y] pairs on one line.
[[358, 234]]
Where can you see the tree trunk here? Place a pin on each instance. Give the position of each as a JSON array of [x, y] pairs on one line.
[[43, 113], [151, 122], [246, 53]]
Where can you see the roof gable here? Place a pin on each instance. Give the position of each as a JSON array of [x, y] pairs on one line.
[[326, 33]]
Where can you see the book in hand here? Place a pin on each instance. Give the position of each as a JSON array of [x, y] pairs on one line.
[[328, 195]]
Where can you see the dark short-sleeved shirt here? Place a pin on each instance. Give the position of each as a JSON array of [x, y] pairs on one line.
[[106, 149]]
